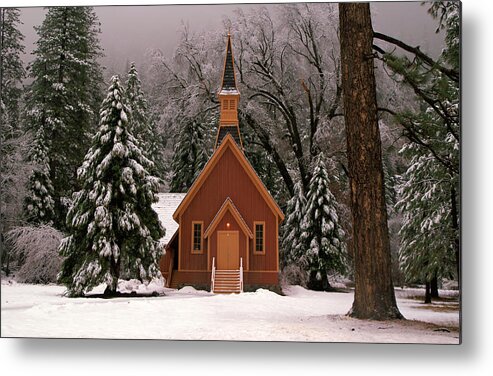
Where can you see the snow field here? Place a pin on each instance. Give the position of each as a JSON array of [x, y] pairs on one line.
[[301, 315]]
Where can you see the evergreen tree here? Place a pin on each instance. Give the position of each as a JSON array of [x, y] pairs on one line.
[[292, 247], [143, 124], [262, 162], [429, 191], [11, 146], [427, 237], [11, 71], [111, 224], [190, 155], [374, 296], [64, 96], [39, 206], [321, 232], [210, 130]]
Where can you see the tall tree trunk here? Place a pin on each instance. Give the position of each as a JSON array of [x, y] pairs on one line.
[[374, 296], [315, 284], [111, 289], [434, 287], [427, 292]]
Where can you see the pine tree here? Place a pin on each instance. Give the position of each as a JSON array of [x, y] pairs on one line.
[[321, 232], [374, 296], [39, 206], [262, 162], [143, 126], [112, 227], [190, 155], [65, 94], [11, 154], [11, 71], [429, 189], [427, 234], [292, 247]]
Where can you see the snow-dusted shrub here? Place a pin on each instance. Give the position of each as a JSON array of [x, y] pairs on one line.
[[38, 246], [293, 274]]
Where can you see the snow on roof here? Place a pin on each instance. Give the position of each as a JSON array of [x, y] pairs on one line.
[[229, 91], [165, 207]]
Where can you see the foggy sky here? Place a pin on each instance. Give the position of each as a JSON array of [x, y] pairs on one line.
[[129, 31]]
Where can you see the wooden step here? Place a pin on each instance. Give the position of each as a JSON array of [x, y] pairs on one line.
[[227, 282], [227, 279]]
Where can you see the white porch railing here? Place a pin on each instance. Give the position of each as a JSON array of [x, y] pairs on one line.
[[241, 274], [213, 275]]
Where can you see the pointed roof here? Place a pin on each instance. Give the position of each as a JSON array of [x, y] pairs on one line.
[[233, 130], [229, 78], [228, 205], [228, 142]]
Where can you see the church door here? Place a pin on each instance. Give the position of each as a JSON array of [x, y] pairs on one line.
[[228, 250]]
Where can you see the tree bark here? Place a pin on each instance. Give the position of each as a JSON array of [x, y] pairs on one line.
[[428, 293], [111, 290], [374, 296], [315, 284], [434, 287]]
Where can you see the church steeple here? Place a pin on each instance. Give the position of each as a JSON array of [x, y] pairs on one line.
[[229, 96]]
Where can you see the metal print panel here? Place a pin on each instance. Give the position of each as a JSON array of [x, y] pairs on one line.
[[260, 172]]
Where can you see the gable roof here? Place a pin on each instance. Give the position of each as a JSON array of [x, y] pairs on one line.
[[229, 143], [164, 208], [228, 205]]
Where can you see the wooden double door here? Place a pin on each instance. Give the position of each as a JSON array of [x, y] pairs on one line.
[[228, 250]]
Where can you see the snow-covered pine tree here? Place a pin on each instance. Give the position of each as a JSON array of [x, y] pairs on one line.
[[111, 224], [143, 124], [429, 191], [427, 233], [39, 206], [321, 232], [11, 71], [65, 94], [12, 166], [292, 247], [190, 155]]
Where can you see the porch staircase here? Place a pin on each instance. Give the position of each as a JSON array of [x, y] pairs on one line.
[[227, 281]]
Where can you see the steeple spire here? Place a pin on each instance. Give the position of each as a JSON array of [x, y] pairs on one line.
[[229, 96], [229, 77]]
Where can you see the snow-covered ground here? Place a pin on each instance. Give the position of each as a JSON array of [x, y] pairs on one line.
[[301, 315]]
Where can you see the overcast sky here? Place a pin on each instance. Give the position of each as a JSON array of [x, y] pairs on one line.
[[129, 31]]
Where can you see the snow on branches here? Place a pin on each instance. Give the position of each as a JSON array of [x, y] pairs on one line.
[[39, 206], [38, 247], [112, 227], [313, 237]]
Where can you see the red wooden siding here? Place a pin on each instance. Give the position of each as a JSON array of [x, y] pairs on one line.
[[261, 278], [228, 179]]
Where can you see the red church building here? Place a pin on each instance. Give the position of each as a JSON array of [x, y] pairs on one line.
[[228, 223]]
